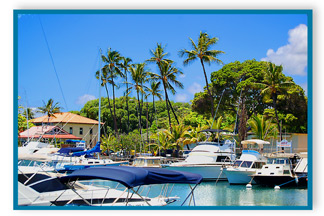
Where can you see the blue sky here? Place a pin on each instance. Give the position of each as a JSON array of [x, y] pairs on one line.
[[74, 42]]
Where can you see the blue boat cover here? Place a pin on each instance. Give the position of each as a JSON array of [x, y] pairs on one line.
[[134, 176], [96, 148], [67, 151], [75, 141]]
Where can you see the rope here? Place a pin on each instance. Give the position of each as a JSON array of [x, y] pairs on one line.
[[52, 61]]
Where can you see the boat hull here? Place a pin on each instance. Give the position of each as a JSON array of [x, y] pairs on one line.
[[239, 176], [282, 181], [208, 172]]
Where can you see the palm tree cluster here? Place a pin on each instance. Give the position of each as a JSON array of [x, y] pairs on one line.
[[140, 81]]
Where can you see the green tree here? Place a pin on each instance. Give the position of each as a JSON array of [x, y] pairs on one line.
[[178, 135], [29, 112], [202, 51], [274, 82]]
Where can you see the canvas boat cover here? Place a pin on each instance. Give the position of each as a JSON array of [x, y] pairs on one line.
[[96, 148], [67, 151], [134, 176]]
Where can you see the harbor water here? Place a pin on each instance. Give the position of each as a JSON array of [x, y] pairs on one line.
[[224, 194]]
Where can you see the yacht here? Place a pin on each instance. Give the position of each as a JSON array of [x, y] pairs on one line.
[[207, 159], [280, 171], [240, 172]]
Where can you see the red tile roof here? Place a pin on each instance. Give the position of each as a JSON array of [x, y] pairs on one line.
[[37, 131], [65, 117]]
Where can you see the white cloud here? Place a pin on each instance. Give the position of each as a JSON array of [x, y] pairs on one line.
[[292, 56], [182, 75], [194, 88], [181, 97], [84, 99]]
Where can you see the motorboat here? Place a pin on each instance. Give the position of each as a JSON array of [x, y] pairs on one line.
[[280, 171], [69, 189], [207, 159], [240, 172]]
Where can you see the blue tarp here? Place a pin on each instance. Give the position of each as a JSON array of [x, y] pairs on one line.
[[67, 151], [88, 152], [134, 176]]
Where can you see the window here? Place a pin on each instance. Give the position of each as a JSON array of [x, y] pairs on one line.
[[71, 130], [81, 131], [246, 164], [222, 158], [90, 130]]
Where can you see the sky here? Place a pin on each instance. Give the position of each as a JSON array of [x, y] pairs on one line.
[[74, 42]]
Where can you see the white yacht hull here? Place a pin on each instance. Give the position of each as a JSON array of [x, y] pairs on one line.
[[208, 172], [237, 176]]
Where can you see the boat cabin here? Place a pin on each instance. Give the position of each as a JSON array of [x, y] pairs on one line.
[[147, 162]]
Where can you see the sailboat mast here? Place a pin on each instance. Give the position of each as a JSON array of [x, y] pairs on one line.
[[99, 97]]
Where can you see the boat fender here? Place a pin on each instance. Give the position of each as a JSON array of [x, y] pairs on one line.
[[296, 180], [277, 187], [248, 186]]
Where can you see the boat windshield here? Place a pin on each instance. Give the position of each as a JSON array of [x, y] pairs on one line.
[[237, 163], [246, 164], [153, 162], [278, 161], [139, 162]]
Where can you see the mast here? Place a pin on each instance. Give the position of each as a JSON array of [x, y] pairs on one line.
[[99, 96]]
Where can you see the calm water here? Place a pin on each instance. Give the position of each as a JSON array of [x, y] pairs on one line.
[[223, 194]]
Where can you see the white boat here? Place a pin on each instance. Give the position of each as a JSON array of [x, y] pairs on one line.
[[207, 159], [67, 190], [280, 171], [241, 171]]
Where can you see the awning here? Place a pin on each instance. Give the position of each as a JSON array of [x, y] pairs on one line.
[[255, 141], [134, 176]]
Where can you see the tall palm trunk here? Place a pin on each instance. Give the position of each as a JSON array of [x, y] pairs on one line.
[[127, 103], [175, 116], [167, 105], [114, 103], [109, 101], [210, 95]]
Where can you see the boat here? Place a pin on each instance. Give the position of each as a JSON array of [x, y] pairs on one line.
[[280, 171], [207, 159], [240, 172], [68, 189], [79, 160]]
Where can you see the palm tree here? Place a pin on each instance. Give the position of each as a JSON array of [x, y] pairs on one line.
[[215, 124], [107, 143], [178, 135], [202, 51], [262, 128], [168, 78], [125, 64], [154, 90], [137, 72], [194, 135], [50, 108], [167, 74], [273, 83], [163, 141], [29, 112], [113, 71]]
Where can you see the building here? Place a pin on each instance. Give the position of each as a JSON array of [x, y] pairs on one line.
[[79, 126], [46, 134]]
